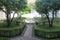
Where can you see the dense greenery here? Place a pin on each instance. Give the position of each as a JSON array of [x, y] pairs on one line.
[[4, 38], [12, 5], [11, 31], [51, 29], [46, 6], [46, 32], [12, 26]]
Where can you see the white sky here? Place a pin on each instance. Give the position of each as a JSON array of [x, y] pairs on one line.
[[31, 1], [32, 14]]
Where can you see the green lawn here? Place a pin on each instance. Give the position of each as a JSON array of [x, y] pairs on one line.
[[56, 27], [13, 30], [4, 38], [47, 32]]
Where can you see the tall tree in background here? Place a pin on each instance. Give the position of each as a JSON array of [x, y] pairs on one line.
[[45, 6], [12, 5]]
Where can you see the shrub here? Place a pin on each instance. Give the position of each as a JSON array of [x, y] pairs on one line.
[[46, 32], [4, 38], [11, 31]]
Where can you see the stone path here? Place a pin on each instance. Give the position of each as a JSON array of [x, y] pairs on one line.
[[27, 35], [28, 32]]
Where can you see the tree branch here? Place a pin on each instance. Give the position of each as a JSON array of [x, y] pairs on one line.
[[2, 10], [13, 17]]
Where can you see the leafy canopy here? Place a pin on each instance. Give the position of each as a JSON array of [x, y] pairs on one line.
[[14, 5], [47, 5]]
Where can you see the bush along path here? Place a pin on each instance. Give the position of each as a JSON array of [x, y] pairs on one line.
[[27, 34]]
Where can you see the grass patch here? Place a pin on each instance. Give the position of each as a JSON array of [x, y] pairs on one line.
[[48, 32], [13, 30], [4, 38], [56, 27]]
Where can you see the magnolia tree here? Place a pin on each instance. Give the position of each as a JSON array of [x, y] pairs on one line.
[[45, 6], [12, 5]]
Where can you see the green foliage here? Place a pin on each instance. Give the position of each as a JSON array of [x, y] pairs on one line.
[[23, 12], [42, 6], [12, 5], [37, 19], [46, 32], [55, 4], [26, 11], [21, 20], [4, 38], [13, 30], [47, 5]]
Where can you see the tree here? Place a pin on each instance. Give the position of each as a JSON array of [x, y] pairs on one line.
[[45, 6], [12, 5], [26, 11], [54, 6]]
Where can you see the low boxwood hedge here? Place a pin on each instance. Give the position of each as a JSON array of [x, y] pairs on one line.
[[46, 32], [11, 31], [4, 38]]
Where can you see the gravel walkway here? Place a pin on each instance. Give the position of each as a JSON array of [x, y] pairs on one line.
[[28, 34]]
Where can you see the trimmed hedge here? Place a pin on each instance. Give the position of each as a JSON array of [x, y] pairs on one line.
[[46, 32], [11, 31], [4, 38]]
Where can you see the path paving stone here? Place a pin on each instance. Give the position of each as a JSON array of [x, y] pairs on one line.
[[28, 34]]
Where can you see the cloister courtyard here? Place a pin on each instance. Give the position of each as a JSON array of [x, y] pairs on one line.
[[29, 19]]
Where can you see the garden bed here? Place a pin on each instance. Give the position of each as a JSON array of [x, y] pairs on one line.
[[4, 38], [46, 32], [11, 31]]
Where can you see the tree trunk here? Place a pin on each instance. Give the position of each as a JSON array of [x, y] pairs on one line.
[[55, 14], [8, 21], [52, 19], [42, 16], [8, 18], [12, 18], [48, 20]]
